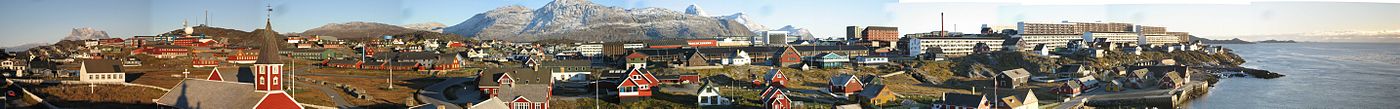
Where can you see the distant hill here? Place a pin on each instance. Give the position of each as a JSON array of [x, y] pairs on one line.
[[1209, 41], [426, 26], [585, 21], [231, 36], [357, 30], [23, 47]]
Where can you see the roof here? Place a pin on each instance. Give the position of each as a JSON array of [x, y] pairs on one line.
[[267, 54], [580, 63], [416, 55], [1072, 68], [195, 93], [768, 77], [1016, 73], [491, 103], [532, 92], [842, 79], [102, 66], [965, 100], [1017, 99], [870, 79], [872, 91]]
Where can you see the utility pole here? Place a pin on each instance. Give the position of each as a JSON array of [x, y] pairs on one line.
[[390, 81]]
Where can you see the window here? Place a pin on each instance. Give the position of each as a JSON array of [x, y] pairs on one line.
[[636, 77], [705, 100], [522, 106], [644, 87]]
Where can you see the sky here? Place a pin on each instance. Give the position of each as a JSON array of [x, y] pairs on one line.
[[47, 21]]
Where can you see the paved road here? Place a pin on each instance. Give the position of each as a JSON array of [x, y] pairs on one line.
[[434, 94]]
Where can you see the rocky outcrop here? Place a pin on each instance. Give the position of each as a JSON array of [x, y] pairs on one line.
[[86, 33]]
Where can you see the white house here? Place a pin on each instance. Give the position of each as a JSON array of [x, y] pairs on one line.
[[739, 58], [871, 60], [101, 71], [709, 95]]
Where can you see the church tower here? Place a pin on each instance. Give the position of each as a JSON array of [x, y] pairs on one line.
[[267, 70]]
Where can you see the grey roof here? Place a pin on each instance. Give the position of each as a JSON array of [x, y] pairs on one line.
[[871, 91], [416, 55], [768, 77], [1070, 68], [965, 100], [195, 93], [102, 66], [268, 52], [568, 63], [533, 92], [841, 79], [1016, 73]]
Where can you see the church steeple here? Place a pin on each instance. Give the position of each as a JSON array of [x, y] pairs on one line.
[[267, 69]]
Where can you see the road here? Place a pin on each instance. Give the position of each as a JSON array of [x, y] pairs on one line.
[[434, 93]]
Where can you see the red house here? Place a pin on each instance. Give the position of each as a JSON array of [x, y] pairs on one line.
[[787, 57], [353, 64], [201, 62], [774, 77], [240, 57], [638, 83], [845, 84], [519, 88], [1073, 87], [775, 98]]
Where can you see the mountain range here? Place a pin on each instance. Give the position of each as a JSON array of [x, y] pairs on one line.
[[585, 21]]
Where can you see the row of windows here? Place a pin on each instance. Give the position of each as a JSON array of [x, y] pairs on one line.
[[106, 76]]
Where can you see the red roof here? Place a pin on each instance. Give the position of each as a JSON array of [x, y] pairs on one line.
[[214, 75], [277, 100]]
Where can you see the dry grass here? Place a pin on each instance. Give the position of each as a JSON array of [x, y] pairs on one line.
[[377, 88], [105, 96]]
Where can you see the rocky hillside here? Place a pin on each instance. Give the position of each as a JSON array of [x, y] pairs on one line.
[[585, 21], [427, 26], [233, 37], [355, 30], [86, 33]]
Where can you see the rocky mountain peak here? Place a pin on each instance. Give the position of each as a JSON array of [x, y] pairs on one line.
[[695, 10], [86, 33]]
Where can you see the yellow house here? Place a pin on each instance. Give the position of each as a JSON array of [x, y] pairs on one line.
[[875, 95]]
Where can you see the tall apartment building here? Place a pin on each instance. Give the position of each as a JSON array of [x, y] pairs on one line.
[[880, 33], [1151, 35], [1102, 27], [1112, 37], [771, 38], [854, 32], [1053, 35], [1184, 37]]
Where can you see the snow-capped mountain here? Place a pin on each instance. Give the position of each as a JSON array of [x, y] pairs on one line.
[[744, 19], [794, 31], [695, 10], [85, 33], [426, 26], [585, 21]]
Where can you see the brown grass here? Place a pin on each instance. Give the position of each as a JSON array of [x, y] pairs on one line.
[[105, 96]]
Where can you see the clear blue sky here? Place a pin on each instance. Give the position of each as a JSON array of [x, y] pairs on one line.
[[46, 21]]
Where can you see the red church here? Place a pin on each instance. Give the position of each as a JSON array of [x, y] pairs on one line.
[[266, 90]]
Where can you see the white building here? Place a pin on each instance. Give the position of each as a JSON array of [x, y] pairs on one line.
[[770, 38], [957, 46], [732, 41], [871, 60], [101, 71], [1158, 40], [1050, 41], [739, 58], [1112, 37], [709, 95], [590, 49]]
